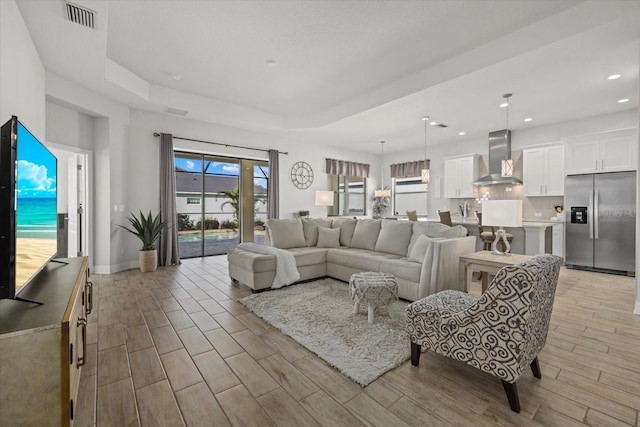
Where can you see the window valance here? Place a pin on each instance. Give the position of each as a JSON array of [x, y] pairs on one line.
[[408, 169], [346, 168]]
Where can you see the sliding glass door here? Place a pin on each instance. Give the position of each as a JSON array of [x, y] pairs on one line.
[[221, 201]]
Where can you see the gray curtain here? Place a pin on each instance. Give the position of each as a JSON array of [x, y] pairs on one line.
[[408, 169], [273, 190], [346, 168], [168, 242]]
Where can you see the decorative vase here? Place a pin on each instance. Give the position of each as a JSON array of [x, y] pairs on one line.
[[148, 260]]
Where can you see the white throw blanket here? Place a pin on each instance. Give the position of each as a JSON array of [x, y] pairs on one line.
[[286, 270]]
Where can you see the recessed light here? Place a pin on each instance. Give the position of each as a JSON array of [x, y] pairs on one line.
[[433, 123], [462, 133], [504, 104], [528, 119], [613, 77], [176, 76], [272, 63], [623, 100], [425, 118]]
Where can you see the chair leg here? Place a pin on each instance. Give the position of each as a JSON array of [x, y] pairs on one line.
[[535, 368], [512, 395], [415, 354]]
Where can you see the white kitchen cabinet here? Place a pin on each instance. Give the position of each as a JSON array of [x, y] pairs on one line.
[[543, 171], [557, 240], [459, 175], [614, 151]]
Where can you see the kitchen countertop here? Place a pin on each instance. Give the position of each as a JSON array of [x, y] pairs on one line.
[[473, 221]]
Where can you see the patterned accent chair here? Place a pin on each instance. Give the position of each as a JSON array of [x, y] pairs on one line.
[[501, 332]]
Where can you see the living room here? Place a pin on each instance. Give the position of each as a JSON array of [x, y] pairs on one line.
[[66, 112]]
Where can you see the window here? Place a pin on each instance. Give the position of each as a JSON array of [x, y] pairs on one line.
[[352, 195], [410, 194], [214, 215]]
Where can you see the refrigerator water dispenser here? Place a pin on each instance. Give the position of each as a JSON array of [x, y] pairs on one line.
[[578, 214]]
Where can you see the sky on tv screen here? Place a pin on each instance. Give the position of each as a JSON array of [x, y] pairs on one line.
[[35, 188]]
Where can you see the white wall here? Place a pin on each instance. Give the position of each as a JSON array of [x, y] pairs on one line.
[[68, 127], [144, 124], [22, 75]]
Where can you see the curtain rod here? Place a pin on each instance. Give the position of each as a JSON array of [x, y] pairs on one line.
[[286, 153]]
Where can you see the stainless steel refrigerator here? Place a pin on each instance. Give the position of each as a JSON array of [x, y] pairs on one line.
[[601, 222]]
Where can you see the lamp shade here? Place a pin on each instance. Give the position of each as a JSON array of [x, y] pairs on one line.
[[425, 176], [382, 192], [502, 213], [324, 198], [507, 167]]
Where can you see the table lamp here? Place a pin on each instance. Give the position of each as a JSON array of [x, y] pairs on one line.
[[324, 198], [502, 213]]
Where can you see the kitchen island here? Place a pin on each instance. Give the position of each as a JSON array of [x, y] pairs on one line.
[[532, 238]]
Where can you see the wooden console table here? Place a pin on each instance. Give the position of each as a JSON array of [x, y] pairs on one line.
[[42, 347], [486, 262]]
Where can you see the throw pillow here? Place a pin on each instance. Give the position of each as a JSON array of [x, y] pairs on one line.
[[346, 226], [310, 228], [328, 237], [366, 234], [420, 248], [394, 237], [286, 233]]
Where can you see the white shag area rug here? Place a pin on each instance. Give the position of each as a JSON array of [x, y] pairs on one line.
[[319, 315]]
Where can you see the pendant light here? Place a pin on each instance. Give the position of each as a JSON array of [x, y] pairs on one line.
[[425, 173], [382, 192], [507, 164]]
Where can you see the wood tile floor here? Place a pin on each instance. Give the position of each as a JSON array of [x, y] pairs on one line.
[[174, 347]]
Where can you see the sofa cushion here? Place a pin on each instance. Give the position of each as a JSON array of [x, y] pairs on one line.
[[347, 227], [419, 249], [359, 259], [257, 263], [366, 234], [286, 233], [310, 229], [309, 256], [328, 237], [394, 237], [402, 269]]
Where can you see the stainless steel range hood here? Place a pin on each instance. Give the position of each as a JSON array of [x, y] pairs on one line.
[[499, 150]]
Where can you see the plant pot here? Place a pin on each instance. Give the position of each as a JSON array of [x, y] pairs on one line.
[[148, 260]]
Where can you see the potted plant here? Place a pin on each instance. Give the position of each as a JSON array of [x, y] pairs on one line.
[[379, 205], [148, 230]]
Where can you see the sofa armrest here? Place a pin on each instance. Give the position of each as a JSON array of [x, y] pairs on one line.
[[441, 266]]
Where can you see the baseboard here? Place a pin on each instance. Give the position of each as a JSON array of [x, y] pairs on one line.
[[636, 310], [110, 269]]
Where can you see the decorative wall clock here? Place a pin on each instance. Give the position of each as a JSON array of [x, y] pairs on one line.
[[302, 175]]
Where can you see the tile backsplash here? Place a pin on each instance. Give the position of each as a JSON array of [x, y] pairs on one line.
[[544, 206]]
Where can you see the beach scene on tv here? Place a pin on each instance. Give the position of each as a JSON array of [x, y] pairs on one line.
[[36, 206]]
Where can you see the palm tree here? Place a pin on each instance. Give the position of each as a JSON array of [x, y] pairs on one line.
[[234, 200]]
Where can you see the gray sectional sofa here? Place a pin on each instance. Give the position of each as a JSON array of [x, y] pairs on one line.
[[423, 256]]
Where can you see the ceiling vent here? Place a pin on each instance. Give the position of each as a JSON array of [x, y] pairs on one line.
[[81, 15], [176, 111]]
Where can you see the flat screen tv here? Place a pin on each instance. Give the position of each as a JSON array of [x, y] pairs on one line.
[[28, 207]]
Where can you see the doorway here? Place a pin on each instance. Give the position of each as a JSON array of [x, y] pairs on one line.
[[221, 201], [73, 202]]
